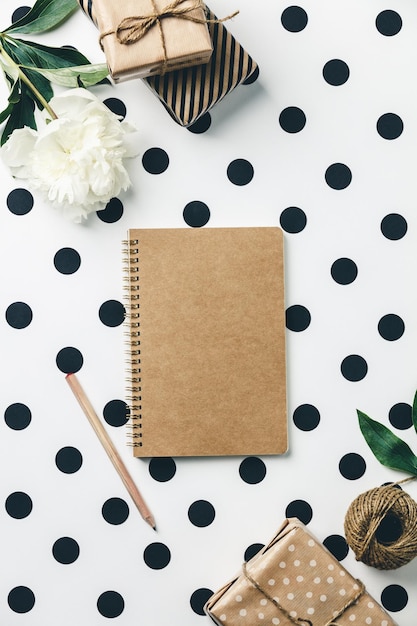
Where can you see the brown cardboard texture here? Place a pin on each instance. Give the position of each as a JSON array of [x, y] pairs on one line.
[[212, 341], [170, 43]]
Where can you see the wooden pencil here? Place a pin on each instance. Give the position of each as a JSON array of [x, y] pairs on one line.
[[109, 447]]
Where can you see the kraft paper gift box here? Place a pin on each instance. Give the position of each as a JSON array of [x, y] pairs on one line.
[[144, 37], [187, 94], [295, 580]]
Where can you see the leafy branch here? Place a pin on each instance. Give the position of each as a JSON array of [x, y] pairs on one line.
[[389, 449], [31, 68]]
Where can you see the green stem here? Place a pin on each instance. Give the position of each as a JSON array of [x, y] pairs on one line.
[[28, 82]]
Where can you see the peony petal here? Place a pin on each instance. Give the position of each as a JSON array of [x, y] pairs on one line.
[[72, 103], [76, 161], [16, 152]]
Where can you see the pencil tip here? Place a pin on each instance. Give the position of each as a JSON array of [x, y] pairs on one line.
[[151, 521]]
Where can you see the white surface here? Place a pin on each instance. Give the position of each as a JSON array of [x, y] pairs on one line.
[[289, 171]]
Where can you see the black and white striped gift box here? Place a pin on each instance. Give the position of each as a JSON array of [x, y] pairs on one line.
[[189, 93]]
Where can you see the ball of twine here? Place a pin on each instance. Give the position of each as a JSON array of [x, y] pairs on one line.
[[364, 517]]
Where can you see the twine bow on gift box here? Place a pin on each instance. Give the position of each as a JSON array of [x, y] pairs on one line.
[[132, 28], [300, 621]]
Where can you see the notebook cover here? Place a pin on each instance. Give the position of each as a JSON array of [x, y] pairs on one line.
[[207, 327]]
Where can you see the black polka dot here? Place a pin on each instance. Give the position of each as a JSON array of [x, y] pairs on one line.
[[196, 214], [112, 313], [252, 550], [162, 469], [389, 529], [240, 172], [306, 417], [292, 119], [344, 271], [388, 23], [300, 509], [338, 176], [18, 505], [391, 327], [155, 160], [20, 201], [116, 106], [297, 318], [116, 413], [68, 460], [400, 416], [293, 219], [65, 550], [199, 598], [110, 604], [337, 545], [201, 125], [69, 360], [157, 555], [252, 470], [112, 212], [67, 261], [115, 511], [394, 598], [19, 13], [336, 72], [394, 226], [201, 513], [17, 416], [294, 19], [21, 599], [19, 315], [352, 466], [354, 367], [390, 126]]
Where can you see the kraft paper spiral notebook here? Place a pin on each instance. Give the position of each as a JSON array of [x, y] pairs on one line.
[[206, 322]]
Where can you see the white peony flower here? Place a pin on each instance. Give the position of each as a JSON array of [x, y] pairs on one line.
[[77, 159]]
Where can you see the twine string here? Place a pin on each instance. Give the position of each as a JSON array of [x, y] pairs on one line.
[[134, 27], [366, 513], [301, 620]]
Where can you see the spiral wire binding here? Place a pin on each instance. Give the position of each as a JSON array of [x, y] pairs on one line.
[[132, 320]]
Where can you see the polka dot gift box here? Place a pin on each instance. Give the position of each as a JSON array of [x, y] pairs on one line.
[[295, 580]]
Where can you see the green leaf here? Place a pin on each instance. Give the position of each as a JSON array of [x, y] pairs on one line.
[[41, 83], [35, 55], [7, 111], [44, 15], [414, 412], [389, 449], [22, 114], [81, 75], [14, 95]]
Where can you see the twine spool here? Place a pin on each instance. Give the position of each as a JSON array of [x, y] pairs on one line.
[[367, 520]]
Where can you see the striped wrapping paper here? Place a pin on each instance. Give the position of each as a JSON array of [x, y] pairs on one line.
[[87, 7], [188, 94]]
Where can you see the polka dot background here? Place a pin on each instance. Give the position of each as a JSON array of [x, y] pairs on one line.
[[322, 142]]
